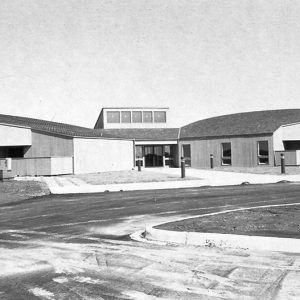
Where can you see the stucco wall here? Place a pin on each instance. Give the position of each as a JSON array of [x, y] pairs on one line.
[[243, 151], [47, 145], [101, 155], [14, 136]]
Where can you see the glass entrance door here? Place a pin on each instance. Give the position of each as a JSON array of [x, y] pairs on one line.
[[153, 156]]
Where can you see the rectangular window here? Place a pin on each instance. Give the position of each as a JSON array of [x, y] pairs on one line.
[[113, 117], [147, 116], [136, 117], [226, 154], [160, 117], [263, 152], [126, 117]]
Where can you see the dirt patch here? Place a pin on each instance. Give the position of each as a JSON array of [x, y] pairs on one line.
[[274, 221], [12, 191], [131, 176]]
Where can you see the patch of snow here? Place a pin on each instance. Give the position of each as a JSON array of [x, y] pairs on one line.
[[87, 280], [135, 295], [61, 279], [39, 292]]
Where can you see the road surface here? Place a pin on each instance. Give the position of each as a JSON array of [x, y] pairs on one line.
[[77, 247]]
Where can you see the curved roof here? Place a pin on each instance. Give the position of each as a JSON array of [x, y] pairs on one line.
[[52, 127], [248, 123]]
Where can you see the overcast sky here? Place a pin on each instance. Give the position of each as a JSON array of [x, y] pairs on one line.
[[65, 60]]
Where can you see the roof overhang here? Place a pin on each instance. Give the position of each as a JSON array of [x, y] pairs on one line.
[[14, 136], [165, 142]]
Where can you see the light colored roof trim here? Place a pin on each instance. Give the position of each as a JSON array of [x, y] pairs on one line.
[[101, 138], [289, 124], [133, 108]]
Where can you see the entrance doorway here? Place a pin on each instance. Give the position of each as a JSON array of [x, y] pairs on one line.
[[153, 156]]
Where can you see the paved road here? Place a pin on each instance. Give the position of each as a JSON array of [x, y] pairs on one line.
[[77, 247]]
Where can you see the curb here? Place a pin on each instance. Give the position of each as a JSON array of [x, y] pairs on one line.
[[221, 240], [257, 243]]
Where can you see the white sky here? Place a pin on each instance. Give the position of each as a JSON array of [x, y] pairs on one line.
[[65, 60]]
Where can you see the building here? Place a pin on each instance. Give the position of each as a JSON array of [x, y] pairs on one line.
[[39, 147], [155, 143], [243, 140]]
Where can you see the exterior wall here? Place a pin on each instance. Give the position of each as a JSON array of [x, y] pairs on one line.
[[99, 124], [48, 145], [291, 132], [41, 166], [174, 154], [14, 136], [277, 140], [291, 158], [61, 165], [243, 151], [31, 167], [100, 155], [286, 133]]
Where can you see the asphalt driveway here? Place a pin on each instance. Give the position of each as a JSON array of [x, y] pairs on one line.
[[77, 247]]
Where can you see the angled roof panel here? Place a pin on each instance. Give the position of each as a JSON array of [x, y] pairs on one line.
[[52, 127]]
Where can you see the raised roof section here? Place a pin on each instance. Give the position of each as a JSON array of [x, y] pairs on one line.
[[132, 117]]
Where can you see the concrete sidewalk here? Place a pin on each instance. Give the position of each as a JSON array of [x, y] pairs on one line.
[[68, 185]]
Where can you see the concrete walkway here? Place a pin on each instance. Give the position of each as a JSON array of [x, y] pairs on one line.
[[70, 185]]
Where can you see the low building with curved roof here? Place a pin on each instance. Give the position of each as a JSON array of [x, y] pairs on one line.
[[243, 140], [123, 137]]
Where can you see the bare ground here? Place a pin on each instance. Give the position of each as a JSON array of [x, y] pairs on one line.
[[11, 190], [273, 221], [131, 176]]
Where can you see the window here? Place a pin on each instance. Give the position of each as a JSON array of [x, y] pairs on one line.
[[126, 117], [113, 117], [263, 152], [147, 116], [226, 154], [136, 117], [160, 117]]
